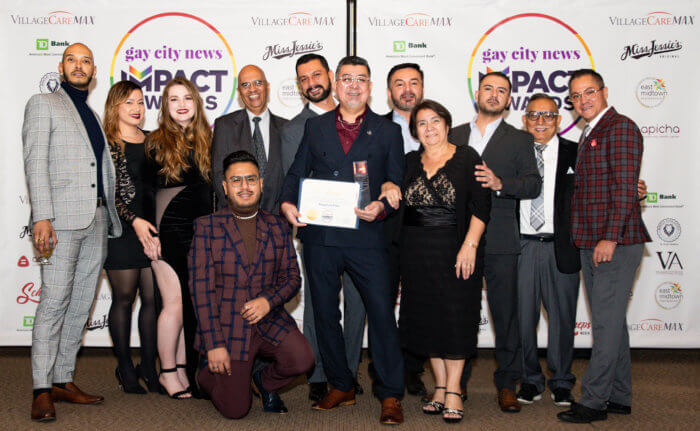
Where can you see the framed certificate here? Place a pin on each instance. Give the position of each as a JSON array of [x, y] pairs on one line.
[[328, 203]]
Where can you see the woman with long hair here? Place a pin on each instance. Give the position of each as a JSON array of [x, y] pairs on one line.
[[180, 149], [128, 266]]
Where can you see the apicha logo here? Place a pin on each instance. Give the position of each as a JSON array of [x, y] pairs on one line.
[[539, 60], [196, 51]]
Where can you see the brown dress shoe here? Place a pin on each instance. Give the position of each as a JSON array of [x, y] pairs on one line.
[[335, 398], [392, 412], [507, 401], [42, 408], [73, 394]]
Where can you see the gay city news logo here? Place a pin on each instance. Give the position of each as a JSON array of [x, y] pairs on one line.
[[668, 230], [668, 295], [651, 92]]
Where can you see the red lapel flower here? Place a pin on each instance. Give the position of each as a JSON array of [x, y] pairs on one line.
[[593, 143]]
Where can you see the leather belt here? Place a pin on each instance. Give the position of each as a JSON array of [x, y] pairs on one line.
[[101, 201], [547, 237]]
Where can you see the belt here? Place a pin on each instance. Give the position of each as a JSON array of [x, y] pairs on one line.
[[546, 237], [101, 201]]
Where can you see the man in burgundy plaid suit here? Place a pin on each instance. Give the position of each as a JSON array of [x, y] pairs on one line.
[[243, 269], [606, 224]]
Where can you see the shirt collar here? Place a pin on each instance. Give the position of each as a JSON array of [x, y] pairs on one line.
[[316, 109], [263, 117], [552, 142], [398, 118], [491, 126]]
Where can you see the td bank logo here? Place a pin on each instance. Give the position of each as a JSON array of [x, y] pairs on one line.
[[402, 45], [399, 46], [28, 321], [42, 44]]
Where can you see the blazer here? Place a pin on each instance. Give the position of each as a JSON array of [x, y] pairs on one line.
[[605, 204], [291, 136], [565, 253], [221, 281], [510, 156], [60, 165], [321, 156], [232, 133]]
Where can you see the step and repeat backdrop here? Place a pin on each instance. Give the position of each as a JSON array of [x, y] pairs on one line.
[[643, 49]]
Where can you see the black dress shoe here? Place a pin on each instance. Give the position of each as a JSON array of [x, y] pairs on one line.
[[580, 414], [618, 409], [318, 390], [271, 401], [414, 385]]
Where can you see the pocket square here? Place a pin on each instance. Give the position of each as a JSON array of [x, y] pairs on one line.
[[570, 171]]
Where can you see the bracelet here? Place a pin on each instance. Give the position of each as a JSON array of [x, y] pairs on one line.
[[472, 245]]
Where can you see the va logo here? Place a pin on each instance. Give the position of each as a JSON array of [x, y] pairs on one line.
[[669, 260]]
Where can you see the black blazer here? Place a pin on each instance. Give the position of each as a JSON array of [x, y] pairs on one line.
[[232, 133], [510, 156], [567, 255], [321, 156]]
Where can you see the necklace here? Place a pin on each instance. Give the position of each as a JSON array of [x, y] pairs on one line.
[[244, 217], [350, 127]]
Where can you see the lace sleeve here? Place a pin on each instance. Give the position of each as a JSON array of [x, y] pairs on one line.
[[125, 190]]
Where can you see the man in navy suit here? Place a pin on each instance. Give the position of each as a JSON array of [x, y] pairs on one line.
[[331, 143]]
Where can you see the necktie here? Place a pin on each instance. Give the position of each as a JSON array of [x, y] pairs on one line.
[[584, 134], [259, 147], [537, 206]]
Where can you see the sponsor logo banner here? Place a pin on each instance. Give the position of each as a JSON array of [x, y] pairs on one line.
[[668, 295], [279, 51], [668, 230], [661, 49], [58, 17], [662, 200], [414, 20], [295, 19], [653, 19], [651, 92]]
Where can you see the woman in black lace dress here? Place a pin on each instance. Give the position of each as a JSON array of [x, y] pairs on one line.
[[128, 267], [180, 148], [444, 213]]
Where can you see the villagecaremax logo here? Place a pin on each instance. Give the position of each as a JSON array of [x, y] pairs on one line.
[[637, 51], [414, 19], [658, 18], [294, 19], [57, 17]]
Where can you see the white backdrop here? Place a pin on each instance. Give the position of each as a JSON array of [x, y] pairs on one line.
[[452, 40], [538, 45]]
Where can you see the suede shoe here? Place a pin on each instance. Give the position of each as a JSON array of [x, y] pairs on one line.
[[507, 401], [42, 408], [580, 414], [335, 398], [528, 394], [73, 394], [318, 390], [271, 401], [392, 412], [618, 409]]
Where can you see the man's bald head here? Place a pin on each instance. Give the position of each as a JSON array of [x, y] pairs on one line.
[[77, 66], [253, 88]]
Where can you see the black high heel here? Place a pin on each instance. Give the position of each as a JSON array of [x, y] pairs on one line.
[[448, 411], [129, 388], [177, 395], [189, 387], [152, 384], [437, 406]]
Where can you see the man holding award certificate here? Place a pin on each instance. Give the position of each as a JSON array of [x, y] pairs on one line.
[[331, 193]]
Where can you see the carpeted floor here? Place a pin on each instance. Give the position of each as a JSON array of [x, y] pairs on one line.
[[666, 388]]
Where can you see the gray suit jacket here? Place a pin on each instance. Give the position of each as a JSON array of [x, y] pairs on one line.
[[291, 136], [232, 133], [509, 155], [59, 165]]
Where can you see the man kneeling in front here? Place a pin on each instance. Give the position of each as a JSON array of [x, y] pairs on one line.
[[243, 269]]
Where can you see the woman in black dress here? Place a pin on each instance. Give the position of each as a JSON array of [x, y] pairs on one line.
[[180, 148], [444, 214], [128, 267]]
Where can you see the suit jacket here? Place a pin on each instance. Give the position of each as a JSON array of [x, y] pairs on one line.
[[566, 254], [60, 165], [321, 156], [291, 136], [605, 204], [232, 133], [510, 156], [221, 281]]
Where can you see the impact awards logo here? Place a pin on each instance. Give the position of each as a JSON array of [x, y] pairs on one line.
[[651, 92], [194, 49], [536, 61]]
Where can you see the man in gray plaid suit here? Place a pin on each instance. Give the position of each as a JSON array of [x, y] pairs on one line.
[[70, 178]]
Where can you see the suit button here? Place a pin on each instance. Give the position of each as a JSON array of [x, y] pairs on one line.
[[92, 164], [336, 173], [92, 185]]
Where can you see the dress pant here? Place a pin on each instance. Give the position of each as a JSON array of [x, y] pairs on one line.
[[368, 268], [501, 275], [608, 376], [67, 292], [231, 395], [540, 282]]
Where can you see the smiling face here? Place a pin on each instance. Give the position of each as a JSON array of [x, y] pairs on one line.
[[181, 105], [253, 89], [352, 92], [314, 80], [405, 89], [493, 95], [430, 128], [131, 111], [542, 129], [242, 186], [588, 106], [77, 66]]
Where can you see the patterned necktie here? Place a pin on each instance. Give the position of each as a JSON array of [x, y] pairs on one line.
[[584, 134], [537, 205], [259, 147]]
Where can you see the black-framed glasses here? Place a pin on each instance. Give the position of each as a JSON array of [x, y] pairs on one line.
[[237, 181], [547, 116], [588, 92]]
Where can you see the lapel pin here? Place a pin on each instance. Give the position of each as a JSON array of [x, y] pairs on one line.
[[593, 143], [369, 132]]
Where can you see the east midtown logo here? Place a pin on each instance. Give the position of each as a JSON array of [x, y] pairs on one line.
[[196, 51], [651, 92], [57, 17], [414, 20], [653, 19], [295, 19], [536, 62], [668, 295]]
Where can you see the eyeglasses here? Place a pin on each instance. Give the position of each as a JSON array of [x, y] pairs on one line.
[[237, 181], [547, 116], [589, 92], [347, 80], [257, 84]]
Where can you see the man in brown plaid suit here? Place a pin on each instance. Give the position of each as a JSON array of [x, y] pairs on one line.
[[606, 224], [243, 269]]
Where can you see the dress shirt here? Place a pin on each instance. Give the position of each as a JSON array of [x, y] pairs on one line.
[[549, 156], [347, 132], [409, 143], [264, 128], [477, 141]]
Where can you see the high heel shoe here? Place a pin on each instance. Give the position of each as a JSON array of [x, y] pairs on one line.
[[448, 411], [177, 395], [152, 383], [128, 387], [437, 406], [189, 387]]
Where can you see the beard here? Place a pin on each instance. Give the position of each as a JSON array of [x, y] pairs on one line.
[[321, 97], [77, 84], [483, 107], [243, 209], [405, 106]]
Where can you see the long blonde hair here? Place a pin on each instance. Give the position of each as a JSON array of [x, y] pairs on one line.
[[117, 95], [169, 145]]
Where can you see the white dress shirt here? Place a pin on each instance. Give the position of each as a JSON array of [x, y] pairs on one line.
[[479, 142], [549, 156], [264, 128], [316, 109], [409, 143]]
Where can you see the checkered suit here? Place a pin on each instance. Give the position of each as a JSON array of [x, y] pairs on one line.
[[221, 282], [605, 204]]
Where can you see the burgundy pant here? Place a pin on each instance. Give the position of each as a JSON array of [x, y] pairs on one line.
[[231, 394]]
